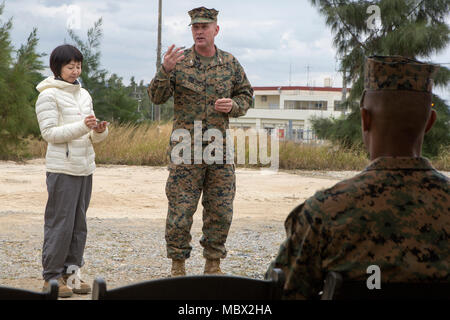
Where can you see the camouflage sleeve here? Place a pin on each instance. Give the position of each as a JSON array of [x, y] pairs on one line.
[[242, 95], [299, 255], [161, 87]]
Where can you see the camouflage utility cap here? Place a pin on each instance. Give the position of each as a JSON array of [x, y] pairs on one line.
[[398, 73], [203, 15]]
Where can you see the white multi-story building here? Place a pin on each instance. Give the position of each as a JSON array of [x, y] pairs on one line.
[[289, 109]]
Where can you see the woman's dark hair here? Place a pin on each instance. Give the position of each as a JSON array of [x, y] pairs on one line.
[[62, 55]]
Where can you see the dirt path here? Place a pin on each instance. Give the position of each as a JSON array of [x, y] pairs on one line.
[[126, 222]]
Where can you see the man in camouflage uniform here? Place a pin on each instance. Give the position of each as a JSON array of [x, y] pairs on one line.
[[209, 86], [395, 213]]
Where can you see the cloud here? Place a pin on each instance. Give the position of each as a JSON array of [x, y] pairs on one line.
[[274, 40]]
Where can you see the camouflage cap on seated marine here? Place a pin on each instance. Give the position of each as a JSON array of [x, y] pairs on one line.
[[398, 73], [203, 15]]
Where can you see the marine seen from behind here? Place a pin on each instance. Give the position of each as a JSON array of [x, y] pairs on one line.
[[395, 214]]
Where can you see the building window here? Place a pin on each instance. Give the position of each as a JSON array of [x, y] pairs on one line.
[[338, 106], [305, 105], [273, 106], [268, 130], [264, 98]]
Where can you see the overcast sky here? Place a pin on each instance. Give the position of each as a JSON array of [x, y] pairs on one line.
[[275, 41]]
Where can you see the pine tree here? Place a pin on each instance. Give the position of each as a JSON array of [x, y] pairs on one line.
[[111, 99], [122, 107], [147, 110], [18, 78], [412, 28], [6, 136], [28, 69], [92, 76]]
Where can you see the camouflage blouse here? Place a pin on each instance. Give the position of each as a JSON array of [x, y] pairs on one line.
[[395, 214], [196, 87]]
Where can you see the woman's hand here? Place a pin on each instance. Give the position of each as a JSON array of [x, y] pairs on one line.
[[101, 127], [90, 121]]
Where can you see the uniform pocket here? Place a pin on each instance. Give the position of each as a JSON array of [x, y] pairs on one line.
[[223, 89], [185, 84], [187, 95], [224, 82]]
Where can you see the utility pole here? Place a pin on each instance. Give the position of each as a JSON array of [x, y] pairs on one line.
[[307, 75], [344, 85], [290, 73], [158, 50]]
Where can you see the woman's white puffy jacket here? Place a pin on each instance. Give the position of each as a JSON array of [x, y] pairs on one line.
[[61, 108]]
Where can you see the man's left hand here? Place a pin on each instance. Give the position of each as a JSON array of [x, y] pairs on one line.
[[223, 105]]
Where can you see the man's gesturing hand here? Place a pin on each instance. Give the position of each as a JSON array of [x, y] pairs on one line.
[[223, 105], [172, 57]]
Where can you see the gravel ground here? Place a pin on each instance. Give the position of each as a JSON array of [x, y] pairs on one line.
[[126, 222], [124, 251]]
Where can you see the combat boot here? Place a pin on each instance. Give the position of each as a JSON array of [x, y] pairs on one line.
[[83, 287], [212, 266], [63, 290], [178, 268]]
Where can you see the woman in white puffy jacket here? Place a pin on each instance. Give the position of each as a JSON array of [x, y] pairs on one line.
[[68, 123]]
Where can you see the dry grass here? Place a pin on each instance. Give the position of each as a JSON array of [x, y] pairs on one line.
[[320, 157], [147, 145], [442, 162], [126, 144], [135, 145]]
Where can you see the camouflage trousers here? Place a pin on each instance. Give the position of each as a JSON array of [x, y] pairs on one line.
[[183, 189]]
